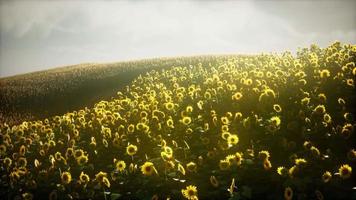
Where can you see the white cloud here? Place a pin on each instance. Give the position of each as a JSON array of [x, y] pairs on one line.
[[62, 32]]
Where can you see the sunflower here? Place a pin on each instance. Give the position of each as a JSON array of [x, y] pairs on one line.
[[169, 106], [276, 121], [267, 164], [82, 160], [224, 165], [69, 152], [66, 177], [22, 162], [225, 135], [84, 178], [189, 109], [282, 171], [120, 165], [324, 73], [326, 177], [288, 193], [238, 158], [263, 155], [214, 182], [100, 176], [78, 153], [351, 155], [186, 120], [148, 169], [53, 195], [7, 162], [293, 171], [190, 192], [131, 149], [237, 96], [231, 159], [232, 139], [315, 151], [131, 128], [170, 123], [192, 167], [319, 109], [345, 171], [277, 108], [181, 169], [300, 162], [106, 182], [22, 150]]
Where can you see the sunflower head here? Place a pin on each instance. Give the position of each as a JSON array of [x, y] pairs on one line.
[[345, 171], [148, 169], [120, 165], [192, 167], [190, 192], [131, 149], [232, 139], [224, 165], [288, 193], [66, 178], [326, 177], [84, 178]]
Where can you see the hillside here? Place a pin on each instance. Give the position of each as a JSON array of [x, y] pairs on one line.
[[268, 126], [60, 90]]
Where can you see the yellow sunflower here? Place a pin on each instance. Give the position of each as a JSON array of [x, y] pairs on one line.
[[66, 177], [120, 165], [345, 171], [190, 192], [131, 149], [148, 169]]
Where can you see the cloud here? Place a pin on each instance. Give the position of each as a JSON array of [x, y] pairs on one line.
[[52, 33]]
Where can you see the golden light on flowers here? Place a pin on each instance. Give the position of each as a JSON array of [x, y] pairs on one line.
[[232, 139], [345, 171], [148, 169], [194, 121], [288, 193], [131, 150], [190, 192], [120, 165], [66, 177]]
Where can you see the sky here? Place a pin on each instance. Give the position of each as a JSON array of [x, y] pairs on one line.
[[38, 35]]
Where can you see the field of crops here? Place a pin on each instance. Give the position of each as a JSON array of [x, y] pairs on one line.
[[241, 127], [52, 92]]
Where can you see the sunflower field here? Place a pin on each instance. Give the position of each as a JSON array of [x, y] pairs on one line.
[[269, 126]]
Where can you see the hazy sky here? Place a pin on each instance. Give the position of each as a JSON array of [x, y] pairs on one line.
[[36, 35]]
